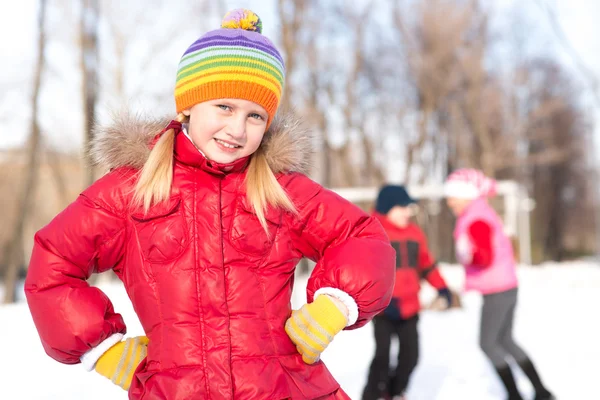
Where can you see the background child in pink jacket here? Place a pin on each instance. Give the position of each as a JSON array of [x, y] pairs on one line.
[[486, 252]]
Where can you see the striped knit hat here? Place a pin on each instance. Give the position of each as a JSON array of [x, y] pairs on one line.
[[469, 183], [236, 61]]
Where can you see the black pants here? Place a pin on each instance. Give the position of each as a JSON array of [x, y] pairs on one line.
[[380, 381]]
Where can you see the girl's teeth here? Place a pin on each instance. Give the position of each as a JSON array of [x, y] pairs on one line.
[[226, 144]]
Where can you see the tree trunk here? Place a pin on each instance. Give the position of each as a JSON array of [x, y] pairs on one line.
[[54, 161], [15, 249], [89, 69]]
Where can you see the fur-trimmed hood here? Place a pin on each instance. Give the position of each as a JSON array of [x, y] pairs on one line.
[[126, 142]]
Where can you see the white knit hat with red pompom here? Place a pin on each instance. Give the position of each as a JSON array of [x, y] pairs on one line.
[[469, 183]]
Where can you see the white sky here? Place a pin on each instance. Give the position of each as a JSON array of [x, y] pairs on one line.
[[578, 19]]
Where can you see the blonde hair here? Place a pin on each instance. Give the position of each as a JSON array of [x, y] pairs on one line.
[[263, 189], [156, 178]]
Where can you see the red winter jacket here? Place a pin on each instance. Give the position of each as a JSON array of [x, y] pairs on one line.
[[413, 263], [211, 289]]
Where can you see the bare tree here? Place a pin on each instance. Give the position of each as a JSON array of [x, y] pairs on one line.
[[558, 183], [431, 53], [291, 15], [89, 69], [360, 83], [53, 159], [127, 24], [15, 248]]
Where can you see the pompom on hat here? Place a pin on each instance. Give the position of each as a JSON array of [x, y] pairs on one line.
[[235, 61], [469, 183]]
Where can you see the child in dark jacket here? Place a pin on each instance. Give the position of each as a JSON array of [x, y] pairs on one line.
[[413, 263]]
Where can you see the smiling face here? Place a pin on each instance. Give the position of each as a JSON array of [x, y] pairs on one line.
[[226, 130]]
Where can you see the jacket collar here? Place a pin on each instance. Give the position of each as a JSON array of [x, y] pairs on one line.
[[186, 153], [287, 145]]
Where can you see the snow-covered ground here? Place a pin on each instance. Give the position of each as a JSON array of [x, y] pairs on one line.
[[558, 323]]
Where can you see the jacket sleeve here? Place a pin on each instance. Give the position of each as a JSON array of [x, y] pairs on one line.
[[355, 261], [480, 234], [71, 316], [428, 268]]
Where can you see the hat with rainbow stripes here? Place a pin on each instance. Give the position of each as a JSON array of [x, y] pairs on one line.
[[235, 61]]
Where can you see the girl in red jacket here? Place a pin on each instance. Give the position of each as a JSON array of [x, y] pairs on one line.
[[204, 218], [413, 263]]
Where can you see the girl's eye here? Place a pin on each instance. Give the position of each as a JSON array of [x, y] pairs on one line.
[[256, 116], [224, 107]]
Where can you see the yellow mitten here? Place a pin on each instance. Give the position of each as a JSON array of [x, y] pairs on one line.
[[314, 325], [120, 361]]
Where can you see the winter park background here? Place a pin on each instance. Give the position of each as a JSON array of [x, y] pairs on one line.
[[416, 89]]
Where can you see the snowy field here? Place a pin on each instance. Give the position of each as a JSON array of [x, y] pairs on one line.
[[558, 323]]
